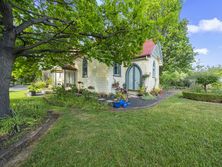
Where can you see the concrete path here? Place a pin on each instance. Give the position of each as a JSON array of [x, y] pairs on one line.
[[18, 88], [138, 103]]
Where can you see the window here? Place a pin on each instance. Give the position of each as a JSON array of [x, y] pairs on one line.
[[84, 68], [154, 69], [117, 69]]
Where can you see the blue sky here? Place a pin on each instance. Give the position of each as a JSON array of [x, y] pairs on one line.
[[205, 29]]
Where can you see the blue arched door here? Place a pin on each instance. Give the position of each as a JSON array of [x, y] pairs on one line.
[[133, 77]]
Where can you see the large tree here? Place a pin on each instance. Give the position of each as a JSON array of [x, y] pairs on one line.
[[58, 31], [172, 33]]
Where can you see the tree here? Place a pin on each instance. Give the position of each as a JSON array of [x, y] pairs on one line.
[[177, 50], [178, 54], [55, 32], [205, 79]]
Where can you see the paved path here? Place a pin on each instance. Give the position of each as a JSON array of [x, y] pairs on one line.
[[18, 88], [138, 103]]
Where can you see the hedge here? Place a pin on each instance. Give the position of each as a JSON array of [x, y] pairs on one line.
[[203, 97]]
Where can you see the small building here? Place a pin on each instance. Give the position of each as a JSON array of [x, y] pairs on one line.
[[144, 71]]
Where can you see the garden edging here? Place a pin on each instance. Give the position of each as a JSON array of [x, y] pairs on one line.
[[9, 153]]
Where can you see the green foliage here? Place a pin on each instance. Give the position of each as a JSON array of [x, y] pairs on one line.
[[26, 70], [156, 91], [148, 96], [59, 90], [28, 113], [216, 71], [205, 79], [209, 97], [36, 86], [177, 50], [216, 88], [174, 79], [121, 96], [40, 84], [98, 31], [33, 88], [196, 88], [69, 99], [141, 91]]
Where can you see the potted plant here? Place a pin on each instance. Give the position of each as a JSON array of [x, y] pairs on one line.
[[141, 91], [33, 89], [121, 99]]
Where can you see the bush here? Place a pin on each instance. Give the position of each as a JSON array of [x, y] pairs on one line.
[[59, 90], [208, 97], [196, 88], [174, 79], [37, 86]]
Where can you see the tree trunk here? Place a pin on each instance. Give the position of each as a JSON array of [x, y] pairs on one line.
[[205, 88], [7, 60]]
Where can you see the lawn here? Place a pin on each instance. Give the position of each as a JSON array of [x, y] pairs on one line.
[[29, 112], [177, 132]]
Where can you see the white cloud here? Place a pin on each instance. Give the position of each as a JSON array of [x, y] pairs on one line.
[[211, 25], [201, 51]]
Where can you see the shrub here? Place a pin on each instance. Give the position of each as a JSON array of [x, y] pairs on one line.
[[28, 113], [156, 91], [37, 86], [59, 91], [174, 79], [40, 84], [74, 88], [141, 91], [196, 88], [203, 97]]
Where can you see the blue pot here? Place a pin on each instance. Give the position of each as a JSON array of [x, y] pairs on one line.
[[122, 102], [125, 105], [116, 104]]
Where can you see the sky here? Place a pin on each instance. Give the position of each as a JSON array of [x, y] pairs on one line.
[[205, 29]]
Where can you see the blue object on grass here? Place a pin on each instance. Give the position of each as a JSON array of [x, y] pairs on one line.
[[125, 105], [122, 102], [116, 104]]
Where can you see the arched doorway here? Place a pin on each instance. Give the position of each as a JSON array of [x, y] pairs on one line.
[[133, 77]]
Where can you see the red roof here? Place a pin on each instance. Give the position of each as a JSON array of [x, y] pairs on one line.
[[148, 47]]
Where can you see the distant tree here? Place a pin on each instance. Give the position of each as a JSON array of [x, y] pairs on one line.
[[178, 54], [177, 50], [217, 70], [205, 78]]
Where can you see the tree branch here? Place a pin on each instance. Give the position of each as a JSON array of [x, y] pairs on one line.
[[27, 24], [44, 51], [22, 49], [36, 14]]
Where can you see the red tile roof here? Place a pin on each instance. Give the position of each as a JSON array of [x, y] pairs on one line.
[[148, 47]]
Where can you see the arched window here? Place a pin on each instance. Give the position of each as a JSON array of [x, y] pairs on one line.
[[84, 68], [117, 70], [154, 69]]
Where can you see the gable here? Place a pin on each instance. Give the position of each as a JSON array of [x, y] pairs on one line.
[[157, 53]]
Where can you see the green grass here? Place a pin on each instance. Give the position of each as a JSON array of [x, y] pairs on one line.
[[30, 111], [18, 94], [177, 132]]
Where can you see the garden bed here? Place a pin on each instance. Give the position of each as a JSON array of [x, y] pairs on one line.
[[208, 97], [12, 150]]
